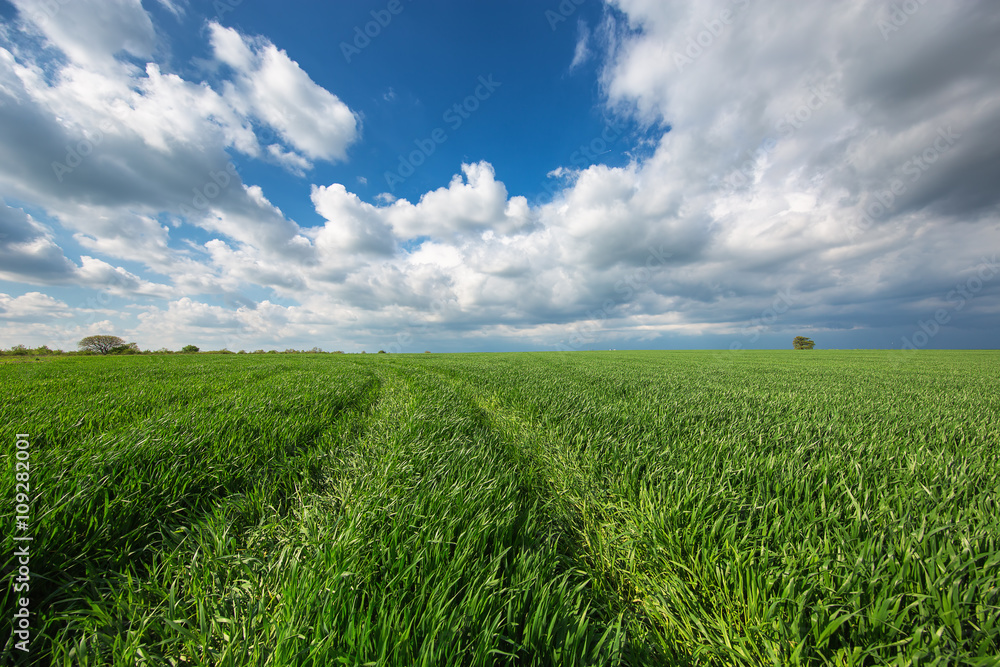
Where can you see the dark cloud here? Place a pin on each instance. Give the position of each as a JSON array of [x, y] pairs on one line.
[[28, 253], [812, 171]]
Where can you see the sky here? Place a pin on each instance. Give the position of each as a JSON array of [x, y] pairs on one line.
[[408, 175]]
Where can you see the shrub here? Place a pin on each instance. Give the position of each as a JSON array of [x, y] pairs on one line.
[[803, 343]]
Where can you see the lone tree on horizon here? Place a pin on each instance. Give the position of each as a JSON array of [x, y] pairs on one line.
[[102, 344], [803, 343]]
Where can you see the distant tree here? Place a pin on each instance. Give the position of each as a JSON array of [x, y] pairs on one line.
[[803, 343], [125, 348], [381, 352], [317, 350], [101, 344], [427, 351], [19, 350], [190, 348]]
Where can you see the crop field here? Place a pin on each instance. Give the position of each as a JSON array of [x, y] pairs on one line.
[[605, 508]]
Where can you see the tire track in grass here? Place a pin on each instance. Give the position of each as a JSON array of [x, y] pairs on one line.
[[144, 506], [620, 537], [599, 546], [437, 551], [728, 580], [624, 538]]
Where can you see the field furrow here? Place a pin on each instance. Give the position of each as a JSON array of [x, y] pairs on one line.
[[531, 509]]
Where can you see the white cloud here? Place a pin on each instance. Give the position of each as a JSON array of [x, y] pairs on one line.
[[353, 227], [33, 307], [143, 144], [116, 280], [187, 321], [272, 87], [29, 254], [582, 52], [28, 251], [471, 205], [787, 123], [92, 32], [175, 7]]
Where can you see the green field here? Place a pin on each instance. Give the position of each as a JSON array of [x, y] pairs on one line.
[[677, 508]]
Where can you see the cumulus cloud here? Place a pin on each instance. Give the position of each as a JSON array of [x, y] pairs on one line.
[[469, 205], [790, 126], [33, 307], [272, 87], [807, 163], [116, 280], [92, 32], [120, 155], [353, 227], [186, 319], [28, 252], [760, 189]]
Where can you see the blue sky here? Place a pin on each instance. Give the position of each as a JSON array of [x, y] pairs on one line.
[[499, 176], [406, 81]]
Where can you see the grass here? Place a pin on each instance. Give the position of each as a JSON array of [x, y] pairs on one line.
[[684, 508]]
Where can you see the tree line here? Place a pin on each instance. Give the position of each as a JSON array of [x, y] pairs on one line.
[[106, 344]]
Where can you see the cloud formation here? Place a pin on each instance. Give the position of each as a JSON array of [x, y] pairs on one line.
[[271, 87], [806, 160]]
